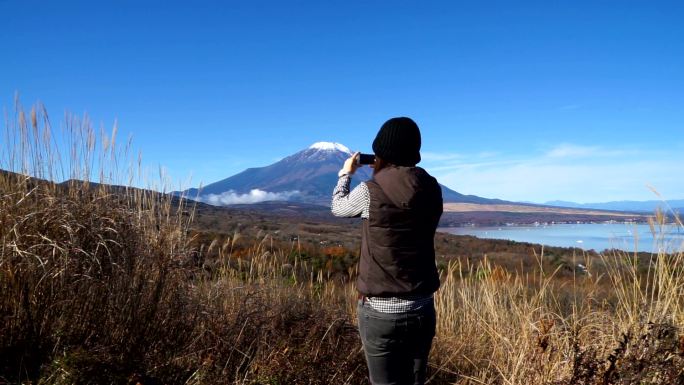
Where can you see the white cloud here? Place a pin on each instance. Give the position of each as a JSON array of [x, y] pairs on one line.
[[567, 150], [568, 172], [427, 156], [444, 161], [254, 196]]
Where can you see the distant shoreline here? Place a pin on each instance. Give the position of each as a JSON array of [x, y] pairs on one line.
[[552, 223], [622, 235]]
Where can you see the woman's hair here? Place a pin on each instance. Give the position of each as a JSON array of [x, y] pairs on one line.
[[379, 164]]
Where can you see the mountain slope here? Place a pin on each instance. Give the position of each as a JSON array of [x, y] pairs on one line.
[[307, 176], [642, 206]]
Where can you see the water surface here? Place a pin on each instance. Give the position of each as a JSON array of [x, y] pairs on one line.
[[597, 236]]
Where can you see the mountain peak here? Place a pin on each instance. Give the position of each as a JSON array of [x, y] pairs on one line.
[[330, 146], [306, 176]]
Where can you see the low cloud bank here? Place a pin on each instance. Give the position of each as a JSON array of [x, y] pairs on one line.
[[567, 171], [231, 197]]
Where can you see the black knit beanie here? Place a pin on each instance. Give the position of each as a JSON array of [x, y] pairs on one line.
[[398, 142]]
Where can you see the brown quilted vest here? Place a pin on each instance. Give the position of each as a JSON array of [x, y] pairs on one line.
[[397, 244]]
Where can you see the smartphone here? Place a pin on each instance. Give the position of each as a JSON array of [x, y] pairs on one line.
[[366, 159]]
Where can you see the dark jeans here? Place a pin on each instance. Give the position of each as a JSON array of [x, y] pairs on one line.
[[396, 345]]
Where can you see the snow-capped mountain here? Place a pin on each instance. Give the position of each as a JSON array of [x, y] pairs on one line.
[[330, 146], [306, 176]]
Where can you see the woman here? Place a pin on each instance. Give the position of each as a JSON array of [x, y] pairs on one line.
[[400, 208]]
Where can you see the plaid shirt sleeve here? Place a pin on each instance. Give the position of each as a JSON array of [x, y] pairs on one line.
[[350, 204]]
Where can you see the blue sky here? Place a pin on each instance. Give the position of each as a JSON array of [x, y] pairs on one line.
[[524, 100]]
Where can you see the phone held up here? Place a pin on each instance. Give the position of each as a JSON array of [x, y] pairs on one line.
[[365, 159]]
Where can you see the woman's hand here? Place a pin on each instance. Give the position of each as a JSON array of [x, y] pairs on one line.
[[350, 165]]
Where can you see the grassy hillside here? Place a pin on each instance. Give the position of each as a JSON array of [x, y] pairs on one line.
[[108, 286]]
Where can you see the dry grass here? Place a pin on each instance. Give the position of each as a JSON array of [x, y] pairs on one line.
[[103, 285], [100, 284], [501, 328]]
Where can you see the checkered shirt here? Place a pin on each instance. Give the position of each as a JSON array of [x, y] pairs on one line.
[[350, 204], [398, 305], [357, 203]]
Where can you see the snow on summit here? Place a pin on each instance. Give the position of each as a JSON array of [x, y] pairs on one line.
[[330, 146]]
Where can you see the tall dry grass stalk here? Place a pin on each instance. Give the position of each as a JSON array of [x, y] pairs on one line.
[[99, 282], [621, 327]]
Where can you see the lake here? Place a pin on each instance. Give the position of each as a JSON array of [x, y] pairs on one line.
[[597, 236]]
